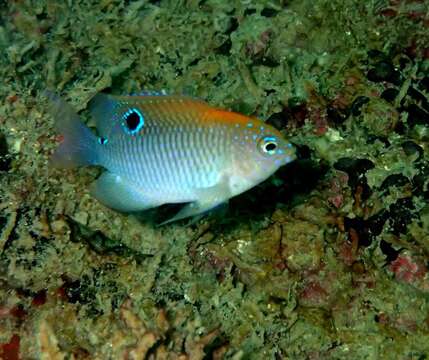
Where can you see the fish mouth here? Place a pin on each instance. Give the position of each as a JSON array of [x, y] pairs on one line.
[[289, 157], [285, 160]]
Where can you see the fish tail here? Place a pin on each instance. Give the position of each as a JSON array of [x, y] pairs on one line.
[[79, 145]]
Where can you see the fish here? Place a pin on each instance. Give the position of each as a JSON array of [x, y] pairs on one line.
[[161, 149]]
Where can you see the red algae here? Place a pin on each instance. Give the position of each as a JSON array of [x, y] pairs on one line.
[[407, 269], [10, 351]]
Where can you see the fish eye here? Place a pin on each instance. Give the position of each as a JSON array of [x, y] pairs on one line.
[[133, 121], [269, 145]]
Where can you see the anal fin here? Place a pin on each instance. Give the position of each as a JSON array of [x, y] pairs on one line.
[[119, 194]]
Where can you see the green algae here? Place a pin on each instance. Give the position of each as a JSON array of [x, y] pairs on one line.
[[288, 279]]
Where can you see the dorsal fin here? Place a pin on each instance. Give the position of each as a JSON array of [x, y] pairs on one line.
[[101, 107], [150, 93]]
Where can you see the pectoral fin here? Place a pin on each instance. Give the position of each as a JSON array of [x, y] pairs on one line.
[[208, 199]]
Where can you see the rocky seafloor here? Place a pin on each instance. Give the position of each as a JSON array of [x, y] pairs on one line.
[[328, 259]]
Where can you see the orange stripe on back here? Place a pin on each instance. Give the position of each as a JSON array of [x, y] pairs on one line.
[[188, 109], [227, 117]]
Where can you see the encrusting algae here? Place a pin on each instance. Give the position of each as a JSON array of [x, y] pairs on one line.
[[327, 258]]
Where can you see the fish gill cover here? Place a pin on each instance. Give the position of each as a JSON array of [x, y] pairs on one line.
[[326, 259]]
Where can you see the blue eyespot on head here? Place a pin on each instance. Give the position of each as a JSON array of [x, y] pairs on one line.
[[132, 121]]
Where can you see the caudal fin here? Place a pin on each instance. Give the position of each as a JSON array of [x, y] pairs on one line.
[[79, 145]]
